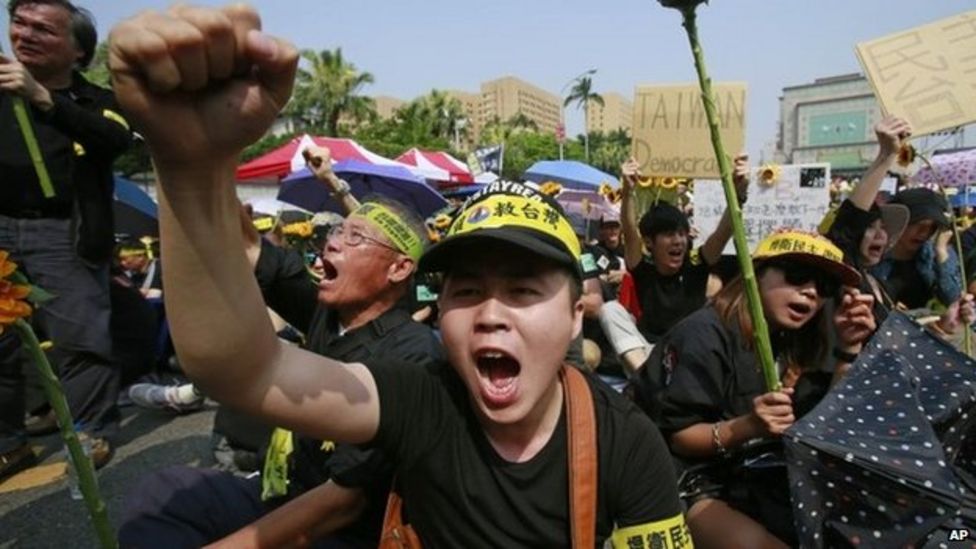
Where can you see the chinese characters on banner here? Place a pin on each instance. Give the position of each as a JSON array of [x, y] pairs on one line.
[[671, 135], [799, 199], [926, 75]]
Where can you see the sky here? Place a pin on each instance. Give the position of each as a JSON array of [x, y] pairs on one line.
[[411, 47]]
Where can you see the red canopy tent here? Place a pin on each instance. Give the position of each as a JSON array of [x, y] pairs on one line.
[[457, 172], [284, 160]]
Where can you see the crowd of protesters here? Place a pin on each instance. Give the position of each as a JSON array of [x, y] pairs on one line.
[[560, 390]]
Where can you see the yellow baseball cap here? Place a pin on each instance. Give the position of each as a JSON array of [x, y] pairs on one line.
[[809, 248]]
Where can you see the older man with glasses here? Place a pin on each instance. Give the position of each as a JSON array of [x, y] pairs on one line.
[[352, 313]]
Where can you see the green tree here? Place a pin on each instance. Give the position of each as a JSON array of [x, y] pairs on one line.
[[610, 150], [97, 71], [582, 94], [327, 91]]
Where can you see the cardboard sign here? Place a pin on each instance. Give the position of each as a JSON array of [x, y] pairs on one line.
[[671, 135], [799, 199], [926, 75]]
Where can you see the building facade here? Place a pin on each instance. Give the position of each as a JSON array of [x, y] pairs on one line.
[[386, 105], [507, 96], [829, 120], [616, 113]]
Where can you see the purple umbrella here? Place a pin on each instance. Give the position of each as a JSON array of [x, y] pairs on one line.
[[955, 169], [302, 189]]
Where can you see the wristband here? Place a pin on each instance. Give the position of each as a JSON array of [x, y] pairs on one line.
[[844, 356], [720, 448], [342, 188]]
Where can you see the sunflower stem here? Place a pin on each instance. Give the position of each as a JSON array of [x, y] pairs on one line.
[[760, 330], [33, 149], [87, 481]]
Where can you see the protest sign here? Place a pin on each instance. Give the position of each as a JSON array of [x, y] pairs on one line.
[[671, 135], [799, 198], [926, 74]]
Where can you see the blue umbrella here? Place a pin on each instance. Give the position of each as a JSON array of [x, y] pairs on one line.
[[136, 213], [304, 190], [569, 174]]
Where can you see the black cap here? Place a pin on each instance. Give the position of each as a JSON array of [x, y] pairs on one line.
[[511, 213], [924, 204]]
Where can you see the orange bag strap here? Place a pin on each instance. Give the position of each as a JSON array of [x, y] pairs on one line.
[[582, 457], [581, 435]]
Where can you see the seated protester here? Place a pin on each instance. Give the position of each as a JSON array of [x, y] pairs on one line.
[[480, 443], [672, 281], [861, 228], [704, 387], [351, 314], [609, 255], [143, 270], [922, 265], [592, 297]]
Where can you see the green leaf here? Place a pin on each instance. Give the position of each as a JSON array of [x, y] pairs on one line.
[[39, 296]]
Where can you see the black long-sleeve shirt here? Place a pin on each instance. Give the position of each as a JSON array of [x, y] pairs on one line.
[[79, 138]]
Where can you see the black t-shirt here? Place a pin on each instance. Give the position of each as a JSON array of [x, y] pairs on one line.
[[392, 336], [458, 492], [665, 300], [703, 372]]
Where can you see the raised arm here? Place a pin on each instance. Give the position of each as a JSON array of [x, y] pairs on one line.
[[319, 161], [200, 84], [892, 133], [711, 250], [633, 244]]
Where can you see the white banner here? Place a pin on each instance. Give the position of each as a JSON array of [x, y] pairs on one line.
[[799, 199]]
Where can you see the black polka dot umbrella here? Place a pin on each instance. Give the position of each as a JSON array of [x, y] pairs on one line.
[[886, 459]]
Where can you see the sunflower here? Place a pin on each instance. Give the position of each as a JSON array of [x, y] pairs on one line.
[[769, 174], [550, 188], [442, 221], [906, 155], [669, 183], [12, 296], [615, 196], [605, 190], [302, 229], [646, 181]]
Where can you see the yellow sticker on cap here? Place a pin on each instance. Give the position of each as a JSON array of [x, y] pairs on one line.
[[669, 533], [506, 210]]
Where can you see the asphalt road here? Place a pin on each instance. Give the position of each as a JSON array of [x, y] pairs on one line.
[[45, 516]]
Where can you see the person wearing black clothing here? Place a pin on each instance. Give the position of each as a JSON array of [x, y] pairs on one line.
[[509, 307], [186, 507], [670, 281], [704, 387], [62, 242]]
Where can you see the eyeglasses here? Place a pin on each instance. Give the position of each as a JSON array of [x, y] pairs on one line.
[[353, 238], [799, 274]]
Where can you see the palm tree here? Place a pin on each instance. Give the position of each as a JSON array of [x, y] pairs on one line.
[[497, 131], [582, 94], [327, 91]]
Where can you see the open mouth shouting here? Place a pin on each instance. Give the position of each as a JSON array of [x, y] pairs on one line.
[[498, 374], [329, 274], [800, 311]]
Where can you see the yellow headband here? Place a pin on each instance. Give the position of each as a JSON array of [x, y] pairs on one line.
[[389, 223], [131, 253], [507, 210]]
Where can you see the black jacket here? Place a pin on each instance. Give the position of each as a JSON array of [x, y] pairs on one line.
[[80, 138]]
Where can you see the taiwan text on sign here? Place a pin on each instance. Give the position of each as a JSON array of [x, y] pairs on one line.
[[671, 135], [927, 74], [799, 199]]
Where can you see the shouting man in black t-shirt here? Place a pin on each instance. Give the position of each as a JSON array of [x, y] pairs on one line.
[[671, 281], [480, 443]]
